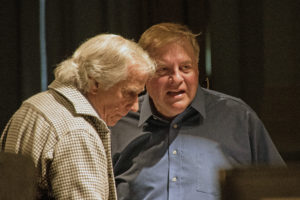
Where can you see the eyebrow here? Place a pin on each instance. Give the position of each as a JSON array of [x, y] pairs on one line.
[[187, 62], [159, 63], [162, 63], [135, 89]]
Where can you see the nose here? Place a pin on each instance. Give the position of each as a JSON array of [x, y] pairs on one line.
[[175, 77], [135, 106]]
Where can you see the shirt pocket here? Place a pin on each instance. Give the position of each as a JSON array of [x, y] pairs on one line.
[[207, 181], [209, 164]]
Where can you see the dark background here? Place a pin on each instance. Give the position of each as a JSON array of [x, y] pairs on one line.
[[253, 46]]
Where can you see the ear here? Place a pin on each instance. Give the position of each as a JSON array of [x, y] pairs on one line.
[[94, 86]]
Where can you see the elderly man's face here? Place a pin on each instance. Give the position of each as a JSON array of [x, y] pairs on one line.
[[175, 83], [117, 101]]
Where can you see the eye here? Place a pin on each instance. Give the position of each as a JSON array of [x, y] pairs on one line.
[[162, 70], [129, 94], [186, 68], [142, 92]]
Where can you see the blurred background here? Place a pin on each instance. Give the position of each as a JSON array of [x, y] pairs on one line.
[[249, 49]]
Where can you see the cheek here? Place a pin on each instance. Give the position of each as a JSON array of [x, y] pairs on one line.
[[156, 83], [125, 103], [114, 102], [192, 85], [153, 86], [192, 80]]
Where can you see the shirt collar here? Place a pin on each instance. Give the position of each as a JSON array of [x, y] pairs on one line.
[[198, 104], [145, 109], [81, 105]]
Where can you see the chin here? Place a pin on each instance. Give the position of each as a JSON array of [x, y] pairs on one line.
[[176, 111], [113, 122], [179, 107]]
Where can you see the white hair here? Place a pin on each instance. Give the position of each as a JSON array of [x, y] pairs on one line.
[[105, 58]]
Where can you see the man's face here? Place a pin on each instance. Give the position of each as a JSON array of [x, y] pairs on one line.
[[117, 101], [175, 82]]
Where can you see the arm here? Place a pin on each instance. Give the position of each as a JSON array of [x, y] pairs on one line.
[[262, 146], [79, 167]]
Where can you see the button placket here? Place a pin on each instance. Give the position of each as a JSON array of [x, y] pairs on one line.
[[175, 126], [174, 152]]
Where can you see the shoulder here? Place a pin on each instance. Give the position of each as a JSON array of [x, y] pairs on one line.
[[228, 108], [59, 112], [215, 98], [48, 102]]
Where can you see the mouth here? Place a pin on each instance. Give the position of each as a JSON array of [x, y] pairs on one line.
[[175, 93]]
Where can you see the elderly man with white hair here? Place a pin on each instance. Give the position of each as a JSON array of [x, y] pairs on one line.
[[64, 130]]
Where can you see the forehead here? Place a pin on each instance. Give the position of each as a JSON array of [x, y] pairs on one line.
[[135, 80], [180, 50]]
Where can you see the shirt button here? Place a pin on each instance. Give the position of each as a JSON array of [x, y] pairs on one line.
[[174, 179], [174, 152], [175, 126]]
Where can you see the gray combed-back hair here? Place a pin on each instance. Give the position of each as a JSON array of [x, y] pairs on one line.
[[105, 58]]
